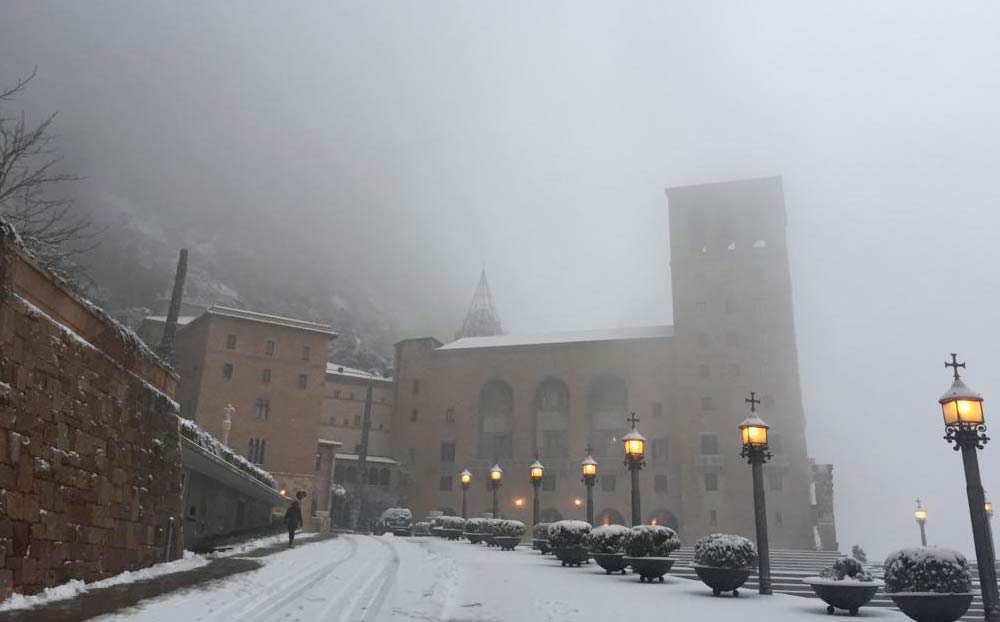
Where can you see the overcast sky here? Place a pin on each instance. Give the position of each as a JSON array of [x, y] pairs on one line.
[[408, 143]]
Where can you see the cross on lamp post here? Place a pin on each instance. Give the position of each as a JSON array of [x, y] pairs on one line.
[[635, 458], [753, 432], [920, 514], [965, 427], [589, 468]]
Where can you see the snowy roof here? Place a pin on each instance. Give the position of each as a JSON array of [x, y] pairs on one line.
[[354, 457], [580, 336], [182, 320], [287, 322], [325, 441], [336, 369]]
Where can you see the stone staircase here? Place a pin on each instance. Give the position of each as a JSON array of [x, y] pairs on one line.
[[788, 568]]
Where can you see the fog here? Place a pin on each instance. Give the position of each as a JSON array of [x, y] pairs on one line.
[[399, 147]]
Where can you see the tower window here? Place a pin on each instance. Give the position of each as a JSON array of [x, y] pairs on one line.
[[608, 483], [709, 444], [227, 371], [706, 403], [303, 381], [713, 518], [711, 482], [413, 415], [416, 386], [449, 415], [265, 376], [447, 452], [774, 481], [230, 342], [269, 347], [445, 483], [703, 371]]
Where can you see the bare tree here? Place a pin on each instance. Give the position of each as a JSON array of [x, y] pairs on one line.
[[29, 173]]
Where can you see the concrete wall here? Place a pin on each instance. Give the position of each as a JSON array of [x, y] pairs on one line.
[[90, 460]]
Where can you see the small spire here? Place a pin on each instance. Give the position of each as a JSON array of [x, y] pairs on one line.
[[482, 319]]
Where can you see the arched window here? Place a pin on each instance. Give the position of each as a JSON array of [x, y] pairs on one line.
[[552, 418], [663, 517], [496, 420], [610, 516], [607, 404], [550, 515]]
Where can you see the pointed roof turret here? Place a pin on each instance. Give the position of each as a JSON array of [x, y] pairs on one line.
[[482, 319]]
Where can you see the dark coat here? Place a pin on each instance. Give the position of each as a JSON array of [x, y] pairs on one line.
[[293, 515]]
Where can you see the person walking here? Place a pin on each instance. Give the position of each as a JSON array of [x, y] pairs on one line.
[[293, 516]]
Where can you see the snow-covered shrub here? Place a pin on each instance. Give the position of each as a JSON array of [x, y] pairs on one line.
[[651, 541], [606, 539], [846, 569], [540, 531], [927, 569], [567, 533], [511, 529], [859, 554], [451, 522], [475, 525], [490, 526], [422, 528], [723, 550]]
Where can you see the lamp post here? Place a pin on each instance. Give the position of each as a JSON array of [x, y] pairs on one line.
[[635, 458], [589, 468], [496, 475], [464, 478], [536, 473], [921, 515], [753, 433], [965, 427]]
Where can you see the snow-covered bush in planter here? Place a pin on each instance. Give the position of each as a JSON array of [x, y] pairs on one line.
[[927, 569], [651, 541], [846, 569], [489, 530], [929, 584], [859, 554], [510, 529], [567, 533], [722, 550], [540, 531], [422, 528], [451, 526], [475, 525], [606, 539]]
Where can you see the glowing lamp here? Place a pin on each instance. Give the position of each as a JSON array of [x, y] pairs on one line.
[[988, 506], [961, 406], [635, 445], [578, 502], [519, 502], [753, 432], [496, 474], [282, 492], [537, 471], [589, 467], [465, 477], [920, 514]]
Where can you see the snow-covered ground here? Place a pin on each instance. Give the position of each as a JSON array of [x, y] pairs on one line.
[[378, 579]]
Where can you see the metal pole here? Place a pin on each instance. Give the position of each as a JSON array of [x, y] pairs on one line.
[[636, 508], [366, 424], [534, 509], [465, 489], [590, 503], [496, 506], [923, 534], [980, 530], [760, 517]]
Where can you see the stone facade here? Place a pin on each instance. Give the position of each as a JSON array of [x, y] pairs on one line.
[[272, 371], [490, 399], [90, 460]]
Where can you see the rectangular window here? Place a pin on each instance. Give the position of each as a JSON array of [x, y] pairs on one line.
[[416, 386], [711, 481], [269, 348], [265, 376], [713, 518], [447, 452], [549, 482], [445, 483], [255, 451], [230, 342], [709, 444], [701, 306], [413, 415], [706, 403], [305, 353], [336, 394], [774, 442], [303, 381], [659, 449], [657, 409], [774, 481], [263, 409], [449, 415], [778, 519], [660, 483], [608, 483], [555, 443], [357, 421], [227, 371]]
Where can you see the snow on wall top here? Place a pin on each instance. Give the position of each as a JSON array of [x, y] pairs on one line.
[[191, 431], [354, 457], [336, 369], [580, 336], [287, 322]]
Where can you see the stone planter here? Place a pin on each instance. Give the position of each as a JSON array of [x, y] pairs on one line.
[[571, 555], [611, 562], [541, 545], [489, 539], [932, 606], [451, 534], [507, 543], [650, 568], [844, 594], [474, 538], [723, 579]]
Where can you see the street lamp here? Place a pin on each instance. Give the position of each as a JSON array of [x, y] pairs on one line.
[[536, 473], [496, 474], [635, 458], [921, 515], [464, 478], [964, 426], [589, 468], [753, 433]]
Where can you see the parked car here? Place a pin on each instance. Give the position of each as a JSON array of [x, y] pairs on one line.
[[398, 521]]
